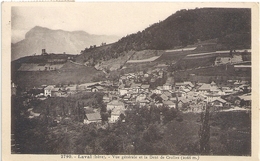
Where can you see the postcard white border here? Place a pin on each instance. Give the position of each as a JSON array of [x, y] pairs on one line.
[[6, 77]]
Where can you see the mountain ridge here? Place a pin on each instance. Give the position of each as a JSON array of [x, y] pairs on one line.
[[56, 41], [231, 26]]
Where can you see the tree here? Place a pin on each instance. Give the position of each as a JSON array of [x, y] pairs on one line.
[[204, 132], [152, 133], [169, 115], [242, 103], [111, 144], [104, 116]]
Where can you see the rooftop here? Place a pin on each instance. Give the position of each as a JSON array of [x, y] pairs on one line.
[[220, 100], [50, 87], [117, 111], [99, 87], [168, 103], [93, 116], [182, 99], [145, 86], [168, 94], [179, 84], [246, 97], [115, 102], [134, 85], [189, 83], [205, 87]]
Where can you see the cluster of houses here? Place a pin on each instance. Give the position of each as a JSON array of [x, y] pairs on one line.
[[115, 109], [185, 96], [67, 90], [137, 89]]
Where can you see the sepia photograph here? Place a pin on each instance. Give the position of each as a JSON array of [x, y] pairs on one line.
[[127, 79]]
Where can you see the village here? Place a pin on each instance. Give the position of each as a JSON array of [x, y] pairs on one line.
[[173, 82], [154, 87]]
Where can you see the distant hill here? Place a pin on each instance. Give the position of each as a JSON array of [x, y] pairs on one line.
[[229, 26], [56, 41], [68, 72]]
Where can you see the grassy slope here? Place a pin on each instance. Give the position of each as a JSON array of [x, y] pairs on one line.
[[173, 57], [68, 73], [214, 72], [94, 52], [146, 54], [116, 63]]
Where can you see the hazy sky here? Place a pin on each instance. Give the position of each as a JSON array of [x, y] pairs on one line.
[[95, 18]]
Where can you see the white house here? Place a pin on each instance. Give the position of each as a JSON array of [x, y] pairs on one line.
[[122, 91], [145, 87], [170, 104], [47, 90], [219, 102], [115, 104], [136, 87], [116, 107], [158, 90], [115, 114], [140, 97], [222, 60], [236, 58], [167, 86], [212, 97]]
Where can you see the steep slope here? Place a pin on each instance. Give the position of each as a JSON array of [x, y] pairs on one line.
[[231, 28], [56, 41], [185, 27]]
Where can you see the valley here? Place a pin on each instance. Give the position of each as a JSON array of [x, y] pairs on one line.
[[179, 87]]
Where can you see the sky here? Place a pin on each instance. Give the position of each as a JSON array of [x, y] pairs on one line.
[[118, 19]]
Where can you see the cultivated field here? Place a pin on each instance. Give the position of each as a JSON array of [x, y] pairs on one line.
[[69, 73]]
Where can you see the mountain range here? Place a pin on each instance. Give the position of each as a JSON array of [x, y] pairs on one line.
[[56, 41]]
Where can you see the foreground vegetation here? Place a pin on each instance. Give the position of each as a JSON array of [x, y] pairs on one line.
[[145, 130]]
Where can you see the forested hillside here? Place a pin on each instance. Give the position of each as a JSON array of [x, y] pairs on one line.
[[231, 27]]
